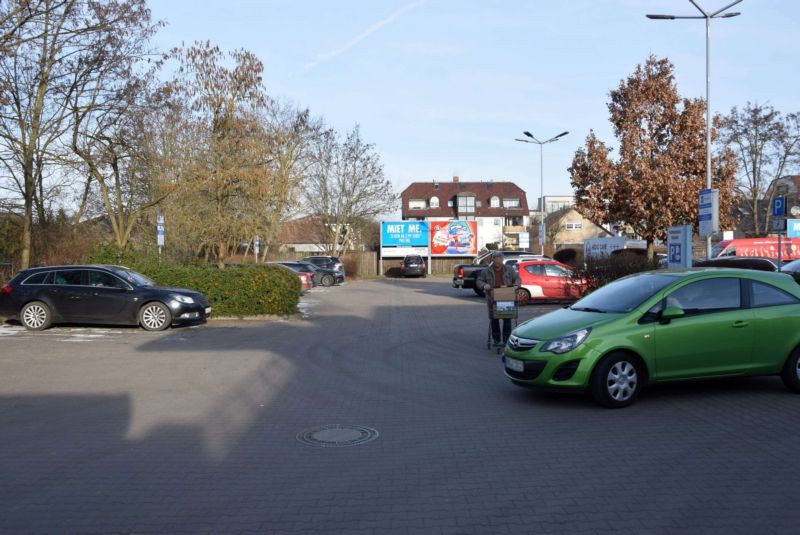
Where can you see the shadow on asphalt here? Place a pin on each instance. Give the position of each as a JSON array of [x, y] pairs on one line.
[[422, 372]]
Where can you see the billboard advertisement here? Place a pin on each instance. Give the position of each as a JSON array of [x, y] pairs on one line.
[[793, 228], [454, 238], [404, 234]]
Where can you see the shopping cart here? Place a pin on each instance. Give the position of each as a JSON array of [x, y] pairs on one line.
[[502, 304]]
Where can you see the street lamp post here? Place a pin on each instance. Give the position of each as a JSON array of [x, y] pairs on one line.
[[541, 177], [719, 14]]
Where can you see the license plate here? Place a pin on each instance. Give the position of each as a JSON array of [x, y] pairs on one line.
[[515, 365], [208, 311]]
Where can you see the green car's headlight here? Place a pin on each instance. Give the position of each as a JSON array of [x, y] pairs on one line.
[[567, 342]]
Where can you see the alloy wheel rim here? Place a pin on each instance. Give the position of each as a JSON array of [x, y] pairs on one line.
[[35, 316], [622, 380], [797, 369], [153, 317]]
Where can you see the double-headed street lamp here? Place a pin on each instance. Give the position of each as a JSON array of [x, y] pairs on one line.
[[541, 177], [718, 14]]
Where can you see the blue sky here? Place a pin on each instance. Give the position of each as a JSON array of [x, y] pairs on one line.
[[442, 87]]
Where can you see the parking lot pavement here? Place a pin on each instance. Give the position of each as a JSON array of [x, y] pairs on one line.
[[380, 411]]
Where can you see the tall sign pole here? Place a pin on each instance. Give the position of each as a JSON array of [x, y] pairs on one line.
[[160, 233]]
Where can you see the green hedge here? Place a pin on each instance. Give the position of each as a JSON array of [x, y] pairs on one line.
[[597, 272], [234, 291]]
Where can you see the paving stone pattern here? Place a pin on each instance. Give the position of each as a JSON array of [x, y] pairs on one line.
[[195, 431]]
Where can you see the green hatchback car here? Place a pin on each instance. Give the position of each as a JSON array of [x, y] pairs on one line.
[[662, 326]]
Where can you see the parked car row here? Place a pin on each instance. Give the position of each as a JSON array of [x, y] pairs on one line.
[[315, 270], [106, 294]]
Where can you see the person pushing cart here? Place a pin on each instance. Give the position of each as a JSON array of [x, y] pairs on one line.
[[498, 275]]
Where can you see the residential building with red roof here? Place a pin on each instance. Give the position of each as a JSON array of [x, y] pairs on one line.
[[499, 208]]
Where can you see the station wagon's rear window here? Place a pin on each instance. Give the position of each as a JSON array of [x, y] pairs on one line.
[[37, 278], [70, 277]]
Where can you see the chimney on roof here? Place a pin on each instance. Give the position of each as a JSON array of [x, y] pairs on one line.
[[455, 179]]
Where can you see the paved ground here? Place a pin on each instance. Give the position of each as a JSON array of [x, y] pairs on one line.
[[194, 430]]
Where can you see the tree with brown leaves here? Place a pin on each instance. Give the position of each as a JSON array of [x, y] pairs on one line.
[[655, 182]]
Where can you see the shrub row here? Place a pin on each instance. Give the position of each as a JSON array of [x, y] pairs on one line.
[[234, 291], [598, 272]]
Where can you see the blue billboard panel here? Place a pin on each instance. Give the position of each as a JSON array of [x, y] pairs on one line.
[[404, 234], [793, 228]]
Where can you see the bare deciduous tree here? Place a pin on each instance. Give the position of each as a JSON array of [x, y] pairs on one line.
[[54, 50], [767, 146], [346, 189]]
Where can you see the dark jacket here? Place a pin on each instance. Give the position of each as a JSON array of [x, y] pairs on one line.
[[510, 277]]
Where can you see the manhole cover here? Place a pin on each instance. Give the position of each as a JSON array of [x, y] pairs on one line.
[[337, 436]]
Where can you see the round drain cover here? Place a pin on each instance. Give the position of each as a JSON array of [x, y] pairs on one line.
[[336, 436]]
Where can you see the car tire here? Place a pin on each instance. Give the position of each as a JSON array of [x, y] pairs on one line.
[[36, 316], [616, 381], [155, 316], [523, 297], [327, 280], [791, 372]]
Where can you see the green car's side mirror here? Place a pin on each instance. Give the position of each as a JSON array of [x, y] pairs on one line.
[[671, 313]]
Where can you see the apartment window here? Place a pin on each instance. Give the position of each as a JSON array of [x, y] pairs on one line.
[[551, 207], [416, 204], [434, 202], [466, 204], [511, 203], [450, 203], [573, 225], [494, 202]]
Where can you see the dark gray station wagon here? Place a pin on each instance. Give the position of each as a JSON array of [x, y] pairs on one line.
[[97, 294]]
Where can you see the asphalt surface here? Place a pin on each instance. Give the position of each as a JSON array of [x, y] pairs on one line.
[[195, 430]]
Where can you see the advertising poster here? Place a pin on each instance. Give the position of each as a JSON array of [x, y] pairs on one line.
[[404, 234], [454, 238]]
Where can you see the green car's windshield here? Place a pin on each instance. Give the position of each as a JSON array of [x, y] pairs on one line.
[[624, 295]]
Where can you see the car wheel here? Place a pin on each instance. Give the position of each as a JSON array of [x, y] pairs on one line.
[[791, 372], [523, 297], [327, 280], [616, 381], [155, 316], [36, 316]]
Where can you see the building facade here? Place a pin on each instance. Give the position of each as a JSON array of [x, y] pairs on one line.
[[500, 209]]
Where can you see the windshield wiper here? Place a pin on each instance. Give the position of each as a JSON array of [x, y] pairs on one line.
[[587, 309]]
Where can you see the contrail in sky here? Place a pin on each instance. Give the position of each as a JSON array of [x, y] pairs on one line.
[[327, 56]]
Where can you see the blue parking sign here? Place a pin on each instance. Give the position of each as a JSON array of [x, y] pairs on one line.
[[779, 206], [679, 246], [675, 253]]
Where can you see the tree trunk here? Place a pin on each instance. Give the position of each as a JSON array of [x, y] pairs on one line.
[[221, 254]]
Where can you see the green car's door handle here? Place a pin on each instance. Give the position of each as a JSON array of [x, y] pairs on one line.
[[739, 324]]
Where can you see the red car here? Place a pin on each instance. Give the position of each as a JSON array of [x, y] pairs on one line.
[[547, 280], [306, 279]]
